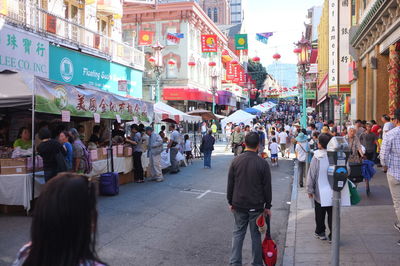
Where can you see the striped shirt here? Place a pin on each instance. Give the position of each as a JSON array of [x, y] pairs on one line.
[[390, 152]]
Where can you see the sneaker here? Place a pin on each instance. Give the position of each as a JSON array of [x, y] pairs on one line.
[[330, 239], [397, 226], [321, 236], [398, 243], [160, 179]]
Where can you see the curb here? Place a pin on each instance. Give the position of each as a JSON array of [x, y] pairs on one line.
[[290, 243]]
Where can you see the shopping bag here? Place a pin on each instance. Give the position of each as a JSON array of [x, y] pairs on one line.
[[269, 248], [179, 157], [165, 160], [354, 196]]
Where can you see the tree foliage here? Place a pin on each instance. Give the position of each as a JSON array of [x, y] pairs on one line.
[[257, 72]]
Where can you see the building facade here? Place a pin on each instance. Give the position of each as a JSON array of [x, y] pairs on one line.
[[238, 8], [187, 83], [375, 69], [219, 11], [70, 41]]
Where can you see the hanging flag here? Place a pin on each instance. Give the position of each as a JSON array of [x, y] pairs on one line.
[[263, 37], [171, 37], [179, 35], [209, 43], [241, 42], [146, 37], [229, 71], [236, 74]]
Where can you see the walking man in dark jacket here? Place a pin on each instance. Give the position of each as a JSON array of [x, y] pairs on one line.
[[249, 195]]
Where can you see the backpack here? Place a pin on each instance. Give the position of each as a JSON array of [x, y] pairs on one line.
[[87, 158]]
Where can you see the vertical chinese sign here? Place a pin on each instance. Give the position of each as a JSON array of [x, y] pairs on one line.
[[51, 24]]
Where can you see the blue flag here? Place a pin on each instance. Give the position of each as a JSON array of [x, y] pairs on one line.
[[263, 37]]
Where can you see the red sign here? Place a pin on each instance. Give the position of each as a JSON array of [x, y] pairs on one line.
[[236, 74], [51, 24], [242, 78], [182, 94], [145, 37], [229, 71], [209, 43], [352, 68]]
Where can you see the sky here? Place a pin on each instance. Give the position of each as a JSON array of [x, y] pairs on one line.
[[283, 17]]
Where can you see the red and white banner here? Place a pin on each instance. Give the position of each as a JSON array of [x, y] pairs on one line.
[[146, 37], [209, 43]]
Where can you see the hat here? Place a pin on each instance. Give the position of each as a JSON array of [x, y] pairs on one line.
[[149, 129], [301, 137], [325, 130]]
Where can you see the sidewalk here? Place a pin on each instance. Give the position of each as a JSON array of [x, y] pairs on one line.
[[367, 233]]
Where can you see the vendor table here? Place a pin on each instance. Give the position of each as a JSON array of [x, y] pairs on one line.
[[17, 189], [121, 165]]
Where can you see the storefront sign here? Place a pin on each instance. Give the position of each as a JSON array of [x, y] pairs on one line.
[[311, 94], [322, 89], [54, 98], [77, 68], [339, 41], [23, 52], [189, 94]]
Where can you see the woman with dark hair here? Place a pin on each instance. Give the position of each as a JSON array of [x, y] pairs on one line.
[[24, 140], [63, 236], [95, 137], [65, 139], [49, 149]]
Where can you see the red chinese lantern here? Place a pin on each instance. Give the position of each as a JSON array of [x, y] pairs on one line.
[[234, 62], [245, 90], [225, 52], [256, 59], [237, 89], [171, 62], [294, 87], [276, 56], [192, 63], [297, 50], [212, 64], [152, 59], [227, 89]]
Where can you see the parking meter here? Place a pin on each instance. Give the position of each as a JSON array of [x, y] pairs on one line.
[[338, 153]]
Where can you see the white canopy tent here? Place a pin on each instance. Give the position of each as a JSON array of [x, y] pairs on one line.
[[238, 117], [16, 89], [265, 107], [164, 111]]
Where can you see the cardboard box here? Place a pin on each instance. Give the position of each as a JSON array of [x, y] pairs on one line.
[[114, 149], [127, 151], [14, 166], [120, 150], [126, 178], [102, 153]]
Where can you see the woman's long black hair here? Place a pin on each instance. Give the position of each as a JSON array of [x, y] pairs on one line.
[[64, 224]]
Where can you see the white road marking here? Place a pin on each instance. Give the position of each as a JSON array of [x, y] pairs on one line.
[[191, 192], [205, 193]]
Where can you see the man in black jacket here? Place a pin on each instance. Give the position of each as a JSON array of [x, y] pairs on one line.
[[249, 195]]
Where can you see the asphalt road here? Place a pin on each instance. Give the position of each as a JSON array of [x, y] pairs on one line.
[[182, 221]]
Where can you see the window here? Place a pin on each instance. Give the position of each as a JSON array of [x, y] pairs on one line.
[[209, 12], [215, 14]]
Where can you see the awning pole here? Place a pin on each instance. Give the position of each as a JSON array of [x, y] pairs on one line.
[[33, 140]]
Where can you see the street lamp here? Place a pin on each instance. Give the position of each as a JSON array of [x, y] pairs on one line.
[[303, 66], [157, 64], [214, 86]]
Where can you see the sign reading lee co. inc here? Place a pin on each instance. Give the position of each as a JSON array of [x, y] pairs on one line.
[[21, 51], [77, 68]]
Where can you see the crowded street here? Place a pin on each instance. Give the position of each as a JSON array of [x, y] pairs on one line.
[[182, 221]]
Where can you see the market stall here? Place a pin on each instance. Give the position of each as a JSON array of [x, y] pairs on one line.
[[238, 117], [265, 107], [39, 98], [163, 111]]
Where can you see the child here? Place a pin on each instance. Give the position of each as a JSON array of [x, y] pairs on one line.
[[274, 148], [188, 149]]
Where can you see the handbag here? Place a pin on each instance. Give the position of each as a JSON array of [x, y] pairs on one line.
[[354, 196]]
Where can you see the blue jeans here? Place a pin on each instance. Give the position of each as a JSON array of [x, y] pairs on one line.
[[207, 158], [242, 219]]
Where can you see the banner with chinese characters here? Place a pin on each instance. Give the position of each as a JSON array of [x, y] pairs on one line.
[[241, 42], [146, 37], [53, 98], [22, 51], [230, 71], [209, 43]]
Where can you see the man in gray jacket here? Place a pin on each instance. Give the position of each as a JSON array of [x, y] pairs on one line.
[[249, 195], [154, 150]]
